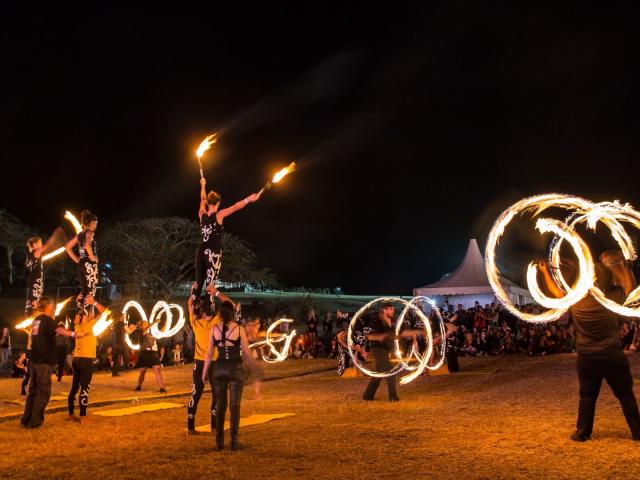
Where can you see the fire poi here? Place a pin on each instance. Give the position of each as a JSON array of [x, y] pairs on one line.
[[413, 362], [611, 214], [274, 355], [159, 309]]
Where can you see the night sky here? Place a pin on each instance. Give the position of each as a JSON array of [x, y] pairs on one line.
[[413, 128]]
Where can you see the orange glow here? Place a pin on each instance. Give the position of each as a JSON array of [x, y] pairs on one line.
[[206, 144], [284, 172]]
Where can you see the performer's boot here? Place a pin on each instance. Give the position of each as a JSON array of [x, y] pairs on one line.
[[584, 425], [631, 414]]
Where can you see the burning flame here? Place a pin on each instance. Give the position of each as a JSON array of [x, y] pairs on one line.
[[76, 226], [102, 323], [611, 214], [206, 144], [61, 305], [26, 323], [284, 172]]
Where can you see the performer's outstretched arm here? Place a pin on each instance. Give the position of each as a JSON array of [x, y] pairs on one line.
[[551, 285], [203, 197], [225, 212]]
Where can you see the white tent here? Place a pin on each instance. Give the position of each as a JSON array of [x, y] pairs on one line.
[[469, 283]]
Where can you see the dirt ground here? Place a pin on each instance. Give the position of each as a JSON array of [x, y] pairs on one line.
[[506, 417]]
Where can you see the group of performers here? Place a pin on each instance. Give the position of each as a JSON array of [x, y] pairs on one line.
[[222, 345], [219, 337]]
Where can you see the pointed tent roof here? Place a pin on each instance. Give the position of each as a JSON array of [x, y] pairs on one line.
[[469, 278]]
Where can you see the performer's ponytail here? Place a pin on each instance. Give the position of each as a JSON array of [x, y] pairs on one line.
[[87, 217]]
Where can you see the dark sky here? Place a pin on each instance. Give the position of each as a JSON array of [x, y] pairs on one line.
[[413, 127]]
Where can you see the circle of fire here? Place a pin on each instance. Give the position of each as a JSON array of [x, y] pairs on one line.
[[403, 364], [611, 214], [159, 309], [274, 355]]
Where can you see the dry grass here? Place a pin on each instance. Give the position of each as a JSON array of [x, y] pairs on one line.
[[514, 423]]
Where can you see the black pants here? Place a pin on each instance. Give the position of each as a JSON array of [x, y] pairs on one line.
[[27, 376], [207, 264], [615, 370], [196, 393], [383, 364], [344, 359], [452, 360], [228, 376], [39, 395], [61, 352], [119, 353], [82, 373], [88, 277]]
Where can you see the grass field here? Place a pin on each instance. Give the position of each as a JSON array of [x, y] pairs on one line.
[[507, 417]]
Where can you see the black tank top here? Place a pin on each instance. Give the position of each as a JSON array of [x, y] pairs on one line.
[[33, 265], [228, 353], [83, 254], [211, 232]]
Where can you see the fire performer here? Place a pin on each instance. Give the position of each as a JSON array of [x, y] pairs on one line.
[[148, 357], [600, 354], [381, 342], [43, 356], [229, 338], [35, 273], [208, 259], [84, 355], [202, 323], [87, 258]]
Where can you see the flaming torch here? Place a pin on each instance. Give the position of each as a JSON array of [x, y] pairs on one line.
[[102, 323], [26, 323], [204, 146], [278, 176]]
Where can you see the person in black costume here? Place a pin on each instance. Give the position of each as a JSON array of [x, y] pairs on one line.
[[230, 339], [600, 354], [35, 274], [381, 342], [86, 259], [208, 259]]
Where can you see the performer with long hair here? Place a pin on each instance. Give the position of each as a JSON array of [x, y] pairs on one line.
[[87, 258], [208, 258], [84, 355], [35, 273], [229, 338]]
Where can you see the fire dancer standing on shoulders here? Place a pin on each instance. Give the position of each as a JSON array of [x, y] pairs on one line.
[[87, 258], [208, 260]]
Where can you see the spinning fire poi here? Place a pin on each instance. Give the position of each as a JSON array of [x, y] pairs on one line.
[[611, 214], [385, 334], [595, 293]]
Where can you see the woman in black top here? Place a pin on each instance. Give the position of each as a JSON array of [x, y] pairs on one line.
[[87, 259], [208, 258], [148, 357], [230, 339], [35, 273]]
